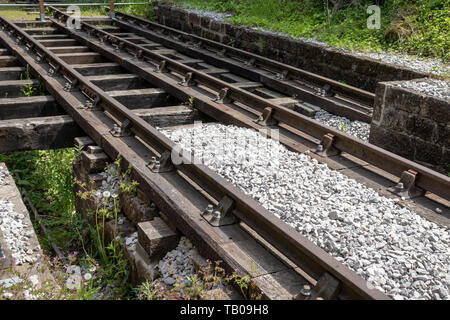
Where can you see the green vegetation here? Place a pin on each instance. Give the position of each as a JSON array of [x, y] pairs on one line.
[[414, 27], [200, 286], [47, 178]]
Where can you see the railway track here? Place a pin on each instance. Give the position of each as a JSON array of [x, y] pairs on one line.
[[84, 71]]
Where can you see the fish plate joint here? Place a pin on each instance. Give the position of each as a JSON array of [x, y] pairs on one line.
[[163, 164], [406, 188], [222, 214], [326, 148], [266, 119]]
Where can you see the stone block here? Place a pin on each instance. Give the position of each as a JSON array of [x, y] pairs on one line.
[[424, 129], [443, 135], [156, 237], [135, 209], [398, 143], [215, 25], [439, 110], [205, 22], [94, 162], [427, 152], [194, 19], [145, 266]]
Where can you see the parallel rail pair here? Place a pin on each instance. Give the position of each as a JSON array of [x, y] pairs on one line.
[[92, 119], [287, 240], [424, 178]]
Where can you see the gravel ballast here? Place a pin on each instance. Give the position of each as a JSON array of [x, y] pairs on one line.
[[395, 250], [431, 87], [355, 128], [15, 228], [177, 263]]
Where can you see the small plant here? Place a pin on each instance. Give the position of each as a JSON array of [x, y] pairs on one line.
[[31, 89], [198, 286]]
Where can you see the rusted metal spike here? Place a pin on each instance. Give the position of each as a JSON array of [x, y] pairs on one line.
[[163, 164], [265, 119], [406, 188], [222, 214], [223, 96], [188, 80], [162, 67], [326, 148]]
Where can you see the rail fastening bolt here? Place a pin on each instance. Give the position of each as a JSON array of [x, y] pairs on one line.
[[306, 290], [209, 209], [217, 215]]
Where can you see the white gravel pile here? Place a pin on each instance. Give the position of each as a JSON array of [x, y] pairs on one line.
[[109, 189], [355, 128], [209, 14], [431, 87], [416, 63], [396, 250], [177, 263], [14, 229]]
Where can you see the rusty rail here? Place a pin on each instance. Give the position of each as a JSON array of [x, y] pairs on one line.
[[279, 234], [256, 67], [425, 178]]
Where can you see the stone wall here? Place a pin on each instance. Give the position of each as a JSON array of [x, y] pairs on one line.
[[355, 70], [413, 125]]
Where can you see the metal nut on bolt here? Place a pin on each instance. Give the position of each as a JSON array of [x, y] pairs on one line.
[[88, 104], [209, 209], [217, 215], [400, 185], [116, 128], [306, 290]]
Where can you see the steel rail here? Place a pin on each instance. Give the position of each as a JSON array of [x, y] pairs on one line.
[[279, 234], [333, 104], [426, 178], [279, 67]]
